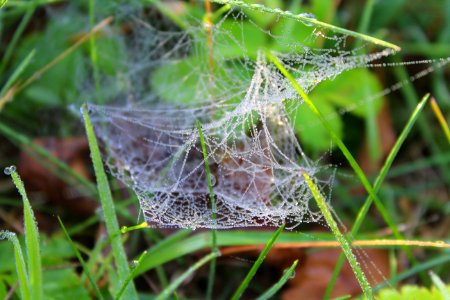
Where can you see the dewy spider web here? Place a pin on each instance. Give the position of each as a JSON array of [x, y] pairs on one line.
[[244, 104]]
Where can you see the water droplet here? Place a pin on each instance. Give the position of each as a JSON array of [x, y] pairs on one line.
[[213, 180], [134, 263], [309, 16], [292, 275], [10, 170]]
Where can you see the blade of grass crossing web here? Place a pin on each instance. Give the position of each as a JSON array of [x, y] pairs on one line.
[[24, 283], [307, 20], [212, 270], [167, 292], [440, 285], [81, 260], [377, 185], [244, 284], [323, 206], [277, 286], [109, 213], [31, 239], [359, 172]]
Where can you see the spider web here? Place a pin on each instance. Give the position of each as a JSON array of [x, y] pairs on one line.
[[219, 75]]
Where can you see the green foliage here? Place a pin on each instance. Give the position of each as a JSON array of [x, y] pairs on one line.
[[411, 292]]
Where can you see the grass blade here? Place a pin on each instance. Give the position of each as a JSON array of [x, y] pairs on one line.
[[437, 111], [321, 202], [212, 270], [277, 286], [359, 172], [257, 264], [24, 283], [308, 20], [109, 213], [175, 284], [22, 140], [377, 185], [81, 260], [131, 276], [31, 238], [440, 285], [438, 261], [16, 37], [22, 66]]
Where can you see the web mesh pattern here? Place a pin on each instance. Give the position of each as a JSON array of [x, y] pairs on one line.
[[219, 76]]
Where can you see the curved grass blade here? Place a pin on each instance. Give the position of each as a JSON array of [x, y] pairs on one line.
[[22, 140], [304, 19], [377, 185], [17, 72], [175, 284], [438, 113], [212, 270], [321, 202], [131, 276], [440, 260], [277, 286], [109, 213], [257, 264], [440, 285], [24, 283], [31, 238], [359, 172], [81, 260]]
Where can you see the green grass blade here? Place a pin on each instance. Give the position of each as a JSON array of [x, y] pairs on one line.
[[19, 70], [31, 238], [440, 285], [167, 292], [24, 283], [257, 264], [377, 185], [109, 213], [277, 286], [93, 53], [212, 270], [131, 276], [323, 206], [423, 266], [81, 260], [304, 19], [22, 140], [359, 172], [17, 34]]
